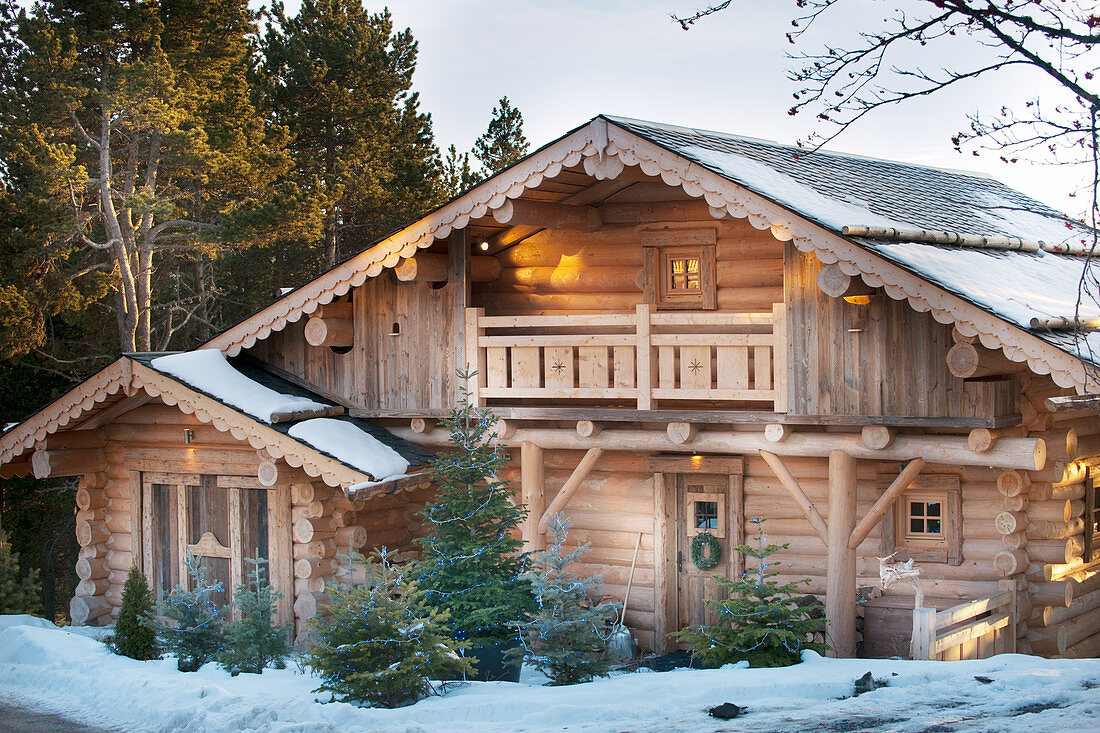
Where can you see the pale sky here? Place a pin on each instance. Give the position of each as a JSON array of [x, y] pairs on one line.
[[561, 62]]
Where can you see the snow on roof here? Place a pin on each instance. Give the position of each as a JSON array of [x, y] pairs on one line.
[[345, 442], [208, 371]]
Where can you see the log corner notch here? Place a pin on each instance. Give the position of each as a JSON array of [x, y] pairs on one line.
[[332, 325], [835, 283]]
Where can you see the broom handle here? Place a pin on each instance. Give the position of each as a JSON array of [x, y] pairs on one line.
[[630, 580]]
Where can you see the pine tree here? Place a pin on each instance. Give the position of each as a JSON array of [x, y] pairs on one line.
[[472, 564], [340, 79], [457, 174], [760, 622], [382, 645], [252, 642], [19, 592], [195, 633], [504, 142], [135, 633], [565, 636]]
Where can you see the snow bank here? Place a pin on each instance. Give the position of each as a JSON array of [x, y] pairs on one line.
[[208, 370], [60, 672], [348, 443]]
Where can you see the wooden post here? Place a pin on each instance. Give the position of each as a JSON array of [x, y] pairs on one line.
[[533, 488], [472, 332], [644, 359], [458, 251], [665, 602], [924, 633], [840, 583]]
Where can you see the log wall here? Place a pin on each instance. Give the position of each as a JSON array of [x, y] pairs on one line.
[[402, 356]]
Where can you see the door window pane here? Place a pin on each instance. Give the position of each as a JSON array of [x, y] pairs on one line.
[[254, 532]]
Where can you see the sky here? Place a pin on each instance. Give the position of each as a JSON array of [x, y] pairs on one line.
[[562, 62]]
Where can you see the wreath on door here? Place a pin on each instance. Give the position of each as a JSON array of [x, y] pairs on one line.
[[706, 550]]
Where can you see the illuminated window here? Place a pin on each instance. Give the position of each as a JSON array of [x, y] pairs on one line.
[[683, 274], [1092, 520], [680, 277]]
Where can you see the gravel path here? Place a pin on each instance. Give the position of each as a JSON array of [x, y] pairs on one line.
[[14, 719]]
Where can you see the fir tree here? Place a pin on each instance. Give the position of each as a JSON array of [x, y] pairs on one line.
[[195, 633], [382, 645], [19, 592], [135, 631], [252, 642], [457, 174], [504, 142], [760, 622], [472, 564], [564, 638]]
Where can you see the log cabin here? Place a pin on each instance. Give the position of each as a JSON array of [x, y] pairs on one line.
[[681, 331]]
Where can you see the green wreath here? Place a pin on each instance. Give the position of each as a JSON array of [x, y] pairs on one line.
[[711, 543]]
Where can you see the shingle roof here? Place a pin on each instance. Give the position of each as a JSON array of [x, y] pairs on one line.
[[835, 190]]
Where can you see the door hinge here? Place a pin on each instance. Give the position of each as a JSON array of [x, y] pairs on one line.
[[680, 561]]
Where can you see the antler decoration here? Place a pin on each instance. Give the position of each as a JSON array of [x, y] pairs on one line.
[[901, 572]]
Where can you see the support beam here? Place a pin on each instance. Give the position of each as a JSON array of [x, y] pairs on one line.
[[435, 267], [835, 283], [840, 581], [570, 487], [970, 361], [1028, 454], [791, 485], [548, 215], [52, 463], [906, 477], [533, 493]]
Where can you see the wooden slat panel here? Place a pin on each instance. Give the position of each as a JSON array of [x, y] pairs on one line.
[[623, 339], [712, 339], [714, 394], [592, 366], [666, 367], [762, 367], [695, 369], [496, 367], [624, 366], [733, 367], [594, 393], [558, 367], [525, 367]]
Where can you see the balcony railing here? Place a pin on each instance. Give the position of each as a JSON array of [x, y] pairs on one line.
[[646, 358]]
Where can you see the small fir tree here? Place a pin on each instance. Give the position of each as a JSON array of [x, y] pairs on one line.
[[565, 638], [135, 633], [252, 642], [760, 622], [194, 632], [19, 590], [503, 143], [472, 565], [382, 645]]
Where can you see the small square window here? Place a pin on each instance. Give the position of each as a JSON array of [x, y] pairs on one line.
[[706, 515], [681, 276], [704, 512], [926, 522]]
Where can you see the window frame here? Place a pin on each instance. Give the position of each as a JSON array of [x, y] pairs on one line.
[[1091, 517], [690, 498], [895, 527], [660, 249]]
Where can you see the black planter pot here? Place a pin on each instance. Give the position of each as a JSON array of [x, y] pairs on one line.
[[491, 665]]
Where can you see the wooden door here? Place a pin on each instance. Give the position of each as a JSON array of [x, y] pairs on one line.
[[223, 519], [705, 503]]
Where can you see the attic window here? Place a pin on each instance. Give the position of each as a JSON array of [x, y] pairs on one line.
[[679, 269]]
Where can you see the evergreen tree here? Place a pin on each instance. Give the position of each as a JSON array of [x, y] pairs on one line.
[[472, 564], [504, 142], [135, 633], [18, 589], [382, 645], [340, 79], [252, 642], [760, 622], [565, 637], [457, 174], [194, 632]]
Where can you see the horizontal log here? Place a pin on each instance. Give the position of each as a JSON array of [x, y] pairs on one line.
[[970, 361], [121, 542], [119, 560], [1084, 649], [355, 537], [294, 416], [70, 462], [1056, 530], [550, 215], [982, 439], [307, 530], [1010, 483], [1049, 640], [1009, 522], [568, 278], [90, 498], [1010, 562], [93, 587], [1086, 582], [1049, 492], [18, 467], [91, 533], [302, 493], [92, 568], [1014, 541], [835, 283], [314, 567], [1056, 551], [1055, 593], [330, 332], [308, 585], [88, 609], [1018, 503], [1083, 604], [318, 548], [307, 605], [1055, 511]]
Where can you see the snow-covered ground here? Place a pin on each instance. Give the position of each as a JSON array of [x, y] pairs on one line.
[[66, 672]]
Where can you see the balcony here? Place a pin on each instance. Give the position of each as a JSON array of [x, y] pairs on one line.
[[645, 360]]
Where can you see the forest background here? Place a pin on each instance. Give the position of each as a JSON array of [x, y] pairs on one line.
[[166, 166]]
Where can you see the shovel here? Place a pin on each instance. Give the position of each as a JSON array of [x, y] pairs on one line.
[[621, 645]]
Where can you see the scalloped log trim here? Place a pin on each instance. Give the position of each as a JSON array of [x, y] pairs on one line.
[[131, 377], [605, 151]]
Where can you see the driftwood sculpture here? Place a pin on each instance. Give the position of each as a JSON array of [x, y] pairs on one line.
[[890, 573]]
